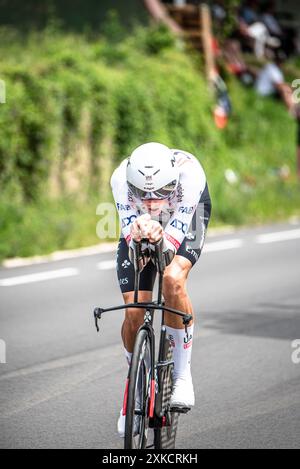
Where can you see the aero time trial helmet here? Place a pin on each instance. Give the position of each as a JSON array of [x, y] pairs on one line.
[[152, 172]]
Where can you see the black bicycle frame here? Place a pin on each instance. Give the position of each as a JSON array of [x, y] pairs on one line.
[[150, 307]]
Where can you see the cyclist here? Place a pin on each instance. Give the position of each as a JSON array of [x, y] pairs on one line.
[[162, 195]]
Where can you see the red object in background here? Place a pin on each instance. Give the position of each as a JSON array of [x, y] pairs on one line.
[[215, 47], [220, 117]]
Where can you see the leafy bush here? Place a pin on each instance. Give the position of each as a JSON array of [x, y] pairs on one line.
[[76, 107]]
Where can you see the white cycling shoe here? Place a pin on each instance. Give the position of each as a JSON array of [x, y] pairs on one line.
[[183, 393], [122, 419], [182, 397], [121, 424]]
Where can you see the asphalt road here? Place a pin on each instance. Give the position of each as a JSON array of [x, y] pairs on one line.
[[62, 385]]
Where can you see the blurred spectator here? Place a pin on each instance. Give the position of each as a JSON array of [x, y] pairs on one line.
[[270, 21], [270, 79], [249, 12], [261, 36], [287, 36], [270, 82], [219, 11], [254, 34]]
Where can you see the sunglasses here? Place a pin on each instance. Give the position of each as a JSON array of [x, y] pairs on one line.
[[163, 193]]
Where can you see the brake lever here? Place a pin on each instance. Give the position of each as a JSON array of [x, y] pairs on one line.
[[97, 315], [186, 320]]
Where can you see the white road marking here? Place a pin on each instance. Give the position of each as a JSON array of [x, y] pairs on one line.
[[110, 264], [107, 265], [278, 236], [210, 247], [38, 277], [60, 255], [223, 245]]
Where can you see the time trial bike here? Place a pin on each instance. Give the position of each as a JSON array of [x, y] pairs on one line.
[[148, 389]]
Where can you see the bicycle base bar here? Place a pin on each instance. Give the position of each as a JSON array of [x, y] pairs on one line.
[[186, 317]]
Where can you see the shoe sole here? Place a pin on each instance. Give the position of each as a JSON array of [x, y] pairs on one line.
[[180, 409]]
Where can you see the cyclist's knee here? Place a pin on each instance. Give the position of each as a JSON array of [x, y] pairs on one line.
[[174, 283], [173, 286], [133, 319], [143, 296]]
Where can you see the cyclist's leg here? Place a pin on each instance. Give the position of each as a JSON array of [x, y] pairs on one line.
[[176, 274], [134, 317], [176, 296], [174, 290]]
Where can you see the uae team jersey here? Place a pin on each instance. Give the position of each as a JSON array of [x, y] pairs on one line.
[[181, 205]]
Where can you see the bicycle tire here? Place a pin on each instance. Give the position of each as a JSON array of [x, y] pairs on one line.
[[165, 436], [136, 426]]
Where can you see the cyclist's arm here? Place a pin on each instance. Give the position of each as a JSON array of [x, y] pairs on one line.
[[193, 182], [127, 212]]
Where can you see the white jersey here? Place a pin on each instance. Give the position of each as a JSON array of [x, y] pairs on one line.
[[267, 80], [181, 205]]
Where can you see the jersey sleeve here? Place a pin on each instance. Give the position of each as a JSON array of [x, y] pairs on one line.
[[192, 183], [276, 75], [127, 213]]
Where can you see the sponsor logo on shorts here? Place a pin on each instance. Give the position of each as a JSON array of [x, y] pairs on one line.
[[126, 264], [123, 281]]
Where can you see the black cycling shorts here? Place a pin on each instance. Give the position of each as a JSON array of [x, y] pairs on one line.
[[190, 248]]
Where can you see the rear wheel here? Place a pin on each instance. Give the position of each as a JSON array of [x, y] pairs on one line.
[[137, 419], [165, 433]]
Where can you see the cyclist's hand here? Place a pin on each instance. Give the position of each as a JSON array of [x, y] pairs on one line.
[[155, 232], [144, 227], [296, 111], [139, 228]]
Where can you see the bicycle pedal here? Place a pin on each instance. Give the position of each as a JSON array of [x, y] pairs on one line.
[[180, 410]]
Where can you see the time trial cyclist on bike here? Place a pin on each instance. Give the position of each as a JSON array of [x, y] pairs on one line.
[[161, 194]]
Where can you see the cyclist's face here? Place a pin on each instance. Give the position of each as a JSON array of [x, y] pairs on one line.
[[155, 206]]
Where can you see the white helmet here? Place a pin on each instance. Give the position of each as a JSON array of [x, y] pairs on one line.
[[152, 172]]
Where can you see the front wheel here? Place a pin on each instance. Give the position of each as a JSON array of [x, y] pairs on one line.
[[137, 419]]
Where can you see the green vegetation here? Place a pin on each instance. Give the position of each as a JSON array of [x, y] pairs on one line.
[[75, 107]]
